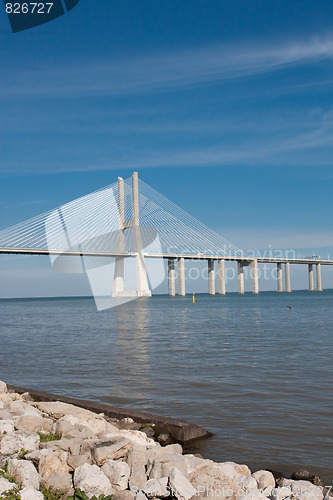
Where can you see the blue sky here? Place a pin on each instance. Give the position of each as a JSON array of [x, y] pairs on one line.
[[224, 107]]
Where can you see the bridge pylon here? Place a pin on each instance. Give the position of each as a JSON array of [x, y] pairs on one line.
[[142, 286]]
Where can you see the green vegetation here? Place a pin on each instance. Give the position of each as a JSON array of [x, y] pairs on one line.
[[47, 437], [52, 494], [11, 495], [80, 495]]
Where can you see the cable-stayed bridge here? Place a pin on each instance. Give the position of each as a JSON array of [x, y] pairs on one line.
[[129, 221]]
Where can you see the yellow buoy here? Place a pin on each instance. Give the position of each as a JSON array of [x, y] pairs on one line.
[[193, 298]]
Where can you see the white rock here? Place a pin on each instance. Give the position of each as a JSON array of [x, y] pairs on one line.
[[304, 490], [24, 473], [267, 491], [192, 462], [6, 485], [3, 387], [33, 423], [264, 478], [2, 405], [156, 488], [6, 426], [180, 487], [19, 408], [59, 481], [137, 460], [91, 480], [52, 462], [118, 473], [17, 441], [31, 494], [249, 483], [138, 437], [253, 495], [280, 493]]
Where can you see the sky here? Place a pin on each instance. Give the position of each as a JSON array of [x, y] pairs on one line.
[[224, 107]]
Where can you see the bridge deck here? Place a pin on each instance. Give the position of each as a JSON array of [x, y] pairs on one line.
[[244, 259]]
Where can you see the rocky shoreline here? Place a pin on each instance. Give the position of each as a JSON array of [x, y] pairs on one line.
[[55, 450]]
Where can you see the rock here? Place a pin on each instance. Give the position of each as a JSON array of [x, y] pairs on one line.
[[140, 496], [128, 423], [6, 485], [163, 464], [51, 462], [164, 439], [5, 398], [57, 410], [253, 495], [278, 476], [149, 431], [72, 446], [248, 483], [137, 460], [192, 462], [91, 480], [24, 473], [17, 441], [5, 414], [280, 493], [93, 424], [156, 488], [6, 426], [123, 495], [138, 437], [31, 494], [59, 481], [180, 487], [110, 449], [19, 408], [75, 461], [33, 423], [264, 478], [304, 475], [304, 490], [118, 474], [3, 387], [211, 477]]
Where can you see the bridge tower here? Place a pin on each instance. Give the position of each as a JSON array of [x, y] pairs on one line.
[[142, 286]]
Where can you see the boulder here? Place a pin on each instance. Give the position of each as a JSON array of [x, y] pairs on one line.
[[91, 480], [75, 461], [72, 446], [138, 437], [59, 481], [6, 485], [179, 486], [264, 478], [24, 473], [5, 398], [33, 423], [19, 408], [51, 462], [109, 449], [3, 387], [137, 460], [304, 490], [304, 475], [6, 426], [253, 495], [164, 439], [31, 494], [163, 464], [118, 474], [16, 441], [248, 483], [5, 414], [280, 493], [123, 495], [212, 477], [156, 488]]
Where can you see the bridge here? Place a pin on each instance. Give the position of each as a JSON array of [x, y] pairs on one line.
[[130, 221]]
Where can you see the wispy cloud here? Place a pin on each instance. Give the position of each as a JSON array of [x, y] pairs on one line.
[[167, 72]]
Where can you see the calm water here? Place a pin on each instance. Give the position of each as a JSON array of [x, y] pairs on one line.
[[257, 375]]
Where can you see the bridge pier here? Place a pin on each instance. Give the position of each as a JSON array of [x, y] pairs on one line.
[[255, 276], [171, 277], [181, 276], [221, 274], [311, 285], [287, 276], [318, 276], [279, 277], [240, 267], [211, 277]]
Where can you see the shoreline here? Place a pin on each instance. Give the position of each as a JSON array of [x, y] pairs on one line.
[[56, 445]]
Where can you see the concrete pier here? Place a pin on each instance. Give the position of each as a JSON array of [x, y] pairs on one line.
[[311, 285], [255, 276], [171, 277], [181, 276], [211, 277], [279, 277], [287, 276], [318, 276], [240, 267], [221, 274]]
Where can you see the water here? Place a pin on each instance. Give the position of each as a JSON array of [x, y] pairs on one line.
[[256, 374]]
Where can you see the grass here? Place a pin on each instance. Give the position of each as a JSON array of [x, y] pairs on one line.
[[47, 437]]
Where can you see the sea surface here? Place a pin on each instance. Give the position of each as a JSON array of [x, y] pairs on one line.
[[256, 374]]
